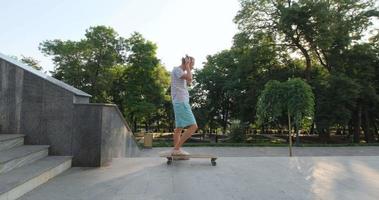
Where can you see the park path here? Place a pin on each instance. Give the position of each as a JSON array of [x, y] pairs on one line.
[[248, 177], [273, 151]]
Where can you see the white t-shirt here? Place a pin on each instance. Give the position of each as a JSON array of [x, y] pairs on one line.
[[179, 90]]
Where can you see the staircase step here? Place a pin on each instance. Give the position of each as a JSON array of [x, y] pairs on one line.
[[19, 181], [22, 155], [8, 141]]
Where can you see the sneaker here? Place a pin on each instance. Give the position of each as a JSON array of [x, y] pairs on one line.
[[184, 153], [175, 152], [180, 154]]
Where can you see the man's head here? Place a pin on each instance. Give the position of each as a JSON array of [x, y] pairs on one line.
[[188, 60]]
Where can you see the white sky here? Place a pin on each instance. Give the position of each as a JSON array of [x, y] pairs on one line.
[[195, 27]]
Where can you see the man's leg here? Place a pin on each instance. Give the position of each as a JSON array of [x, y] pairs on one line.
[[177, 133], [187, 134]]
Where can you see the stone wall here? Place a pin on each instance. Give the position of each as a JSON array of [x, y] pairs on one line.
[[51, 112], [102, 133]]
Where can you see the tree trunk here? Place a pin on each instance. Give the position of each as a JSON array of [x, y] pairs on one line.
[[297, 135], [350, 129], [325, 135], [369, 137], [289, 134], [132, 118], [344, 130], [210, 136], [308, 67], [357, 124], [226, 121], [338, 131], [135, 124], [376, 130], [308, 61], [312, 130], [263, 129]]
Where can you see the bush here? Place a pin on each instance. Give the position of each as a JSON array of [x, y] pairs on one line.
[[237, 134]]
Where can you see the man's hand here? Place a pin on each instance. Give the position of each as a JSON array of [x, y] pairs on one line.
[[187, 64], [192, 62]]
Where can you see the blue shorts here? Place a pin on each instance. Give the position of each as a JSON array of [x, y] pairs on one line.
[[183, 115]]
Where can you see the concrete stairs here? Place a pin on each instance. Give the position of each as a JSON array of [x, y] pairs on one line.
[[25, 167]]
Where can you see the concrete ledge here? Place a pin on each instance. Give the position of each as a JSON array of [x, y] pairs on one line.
[[44, 76]]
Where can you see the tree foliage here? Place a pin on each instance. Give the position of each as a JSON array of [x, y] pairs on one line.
[[293, 97], [31, 62], [320, 41], [114, 69]]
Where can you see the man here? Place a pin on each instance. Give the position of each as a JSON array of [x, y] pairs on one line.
[[181, 76]]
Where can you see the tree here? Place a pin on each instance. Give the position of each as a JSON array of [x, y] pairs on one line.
[[213, 83], [114, 69], [293, 98], [31, 62], [360, 64], [147, 81], [228, 86], [87, 64], [316, 28], [327, 36]]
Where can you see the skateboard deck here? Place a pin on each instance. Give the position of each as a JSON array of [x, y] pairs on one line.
[[170, 157]]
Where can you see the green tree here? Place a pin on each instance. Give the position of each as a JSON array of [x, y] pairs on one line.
[[87, 64], [293, 98], [147, 82], [315, 28], [114, 69], [327, 35], [31, 62], [361, 65], [214, 81], [228, 86]]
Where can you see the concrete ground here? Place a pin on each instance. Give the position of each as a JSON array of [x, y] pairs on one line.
[[273, 151], [248, 177]]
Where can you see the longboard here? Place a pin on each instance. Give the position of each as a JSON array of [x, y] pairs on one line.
[[170, 157]]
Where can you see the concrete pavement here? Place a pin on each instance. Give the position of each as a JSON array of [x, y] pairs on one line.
[[273, 151], [299, 178]]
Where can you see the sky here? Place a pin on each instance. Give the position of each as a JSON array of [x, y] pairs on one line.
[[178, 27]]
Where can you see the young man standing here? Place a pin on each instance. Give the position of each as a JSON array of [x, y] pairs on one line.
[[181, 76]]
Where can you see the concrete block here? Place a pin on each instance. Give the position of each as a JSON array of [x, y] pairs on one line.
[[24, 179], [20, 156], [8, 141]]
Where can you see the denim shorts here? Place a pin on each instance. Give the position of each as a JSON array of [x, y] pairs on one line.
[[183, 115]]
